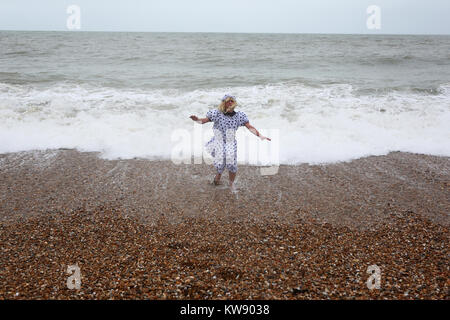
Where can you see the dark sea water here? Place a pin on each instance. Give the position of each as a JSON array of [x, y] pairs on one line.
[[328, 97]]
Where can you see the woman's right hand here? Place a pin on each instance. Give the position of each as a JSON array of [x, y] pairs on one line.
[[195, 118]]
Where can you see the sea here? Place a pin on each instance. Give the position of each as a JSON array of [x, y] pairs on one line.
[[323, 98]]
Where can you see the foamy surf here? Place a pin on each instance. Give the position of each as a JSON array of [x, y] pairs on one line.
[[316, 124]]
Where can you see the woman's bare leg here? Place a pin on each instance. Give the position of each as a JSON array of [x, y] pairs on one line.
[[217, 178], [231, 175]]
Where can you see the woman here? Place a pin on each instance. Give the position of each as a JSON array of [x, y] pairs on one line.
[[223, 146]]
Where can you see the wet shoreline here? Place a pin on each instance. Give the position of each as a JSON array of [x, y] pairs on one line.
[[153, 229]]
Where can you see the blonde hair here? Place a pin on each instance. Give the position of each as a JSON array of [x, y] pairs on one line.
[[221, 106]]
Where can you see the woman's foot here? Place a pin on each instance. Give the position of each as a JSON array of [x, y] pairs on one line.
[[216, 180], [232, 176], [233, 188]]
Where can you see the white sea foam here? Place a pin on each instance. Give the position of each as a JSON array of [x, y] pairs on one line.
[[316, 124]]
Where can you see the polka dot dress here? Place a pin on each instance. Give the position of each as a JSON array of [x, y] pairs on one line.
[[223, 146]]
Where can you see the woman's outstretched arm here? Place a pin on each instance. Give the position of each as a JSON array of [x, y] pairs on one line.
[[255, 132], [198, 120]]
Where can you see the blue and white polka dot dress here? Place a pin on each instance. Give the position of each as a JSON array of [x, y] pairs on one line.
[[224, 140]]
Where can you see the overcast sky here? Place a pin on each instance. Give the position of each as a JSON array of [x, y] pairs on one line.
[[273, 16]]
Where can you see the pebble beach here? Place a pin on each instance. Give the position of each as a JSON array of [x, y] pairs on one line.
[[141, 229]]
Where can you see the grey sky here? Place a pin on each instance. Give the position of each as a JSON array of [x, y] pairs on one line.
[[274, 16]]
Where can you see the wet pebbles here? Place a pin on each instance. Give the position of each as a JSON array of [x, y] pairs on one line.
[[153, 230]]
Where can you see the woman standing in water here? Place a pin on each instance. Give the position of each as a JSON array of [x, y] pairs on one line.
[[223, 146]]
